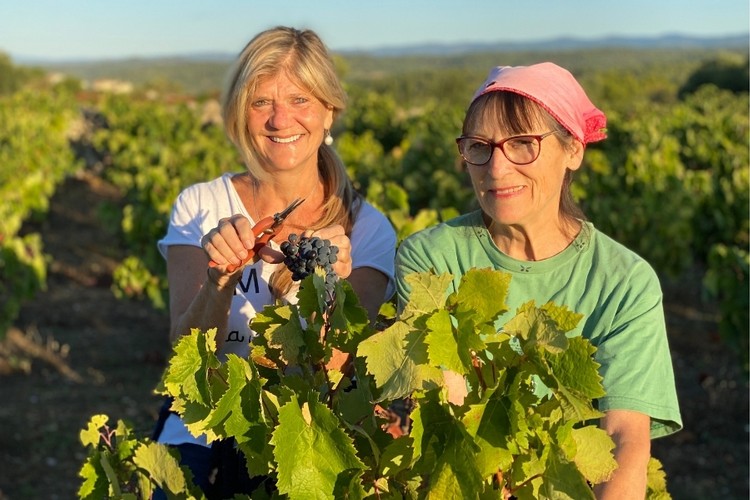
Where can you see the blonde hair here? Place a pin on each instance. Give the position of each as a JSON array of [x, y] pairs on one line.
[[303, 57]]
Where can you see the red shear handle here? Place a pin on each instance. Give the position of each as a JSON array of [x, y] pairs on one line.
[[263, 231]]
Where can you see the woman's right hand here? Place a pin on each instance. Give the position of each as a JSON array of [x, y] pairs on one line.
[[229, 243]]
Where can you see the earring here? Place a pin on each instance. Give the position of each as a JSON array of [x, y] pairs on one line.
[[328, 139]]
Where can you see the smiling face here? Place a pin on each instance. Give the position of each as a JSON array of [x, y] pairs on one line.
[[286, 124], [523, 196]]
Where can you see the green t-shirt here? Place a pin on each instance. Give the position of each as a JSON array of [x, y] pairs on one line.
[[616, 290]]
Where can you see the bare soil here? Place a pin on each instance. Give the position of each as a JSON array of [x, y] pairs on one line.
[[77, 351]]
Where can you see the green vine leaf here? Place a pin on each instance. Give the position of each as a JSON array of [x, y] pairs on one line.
[[92, 434], [397, 358], [562, 479], [285, 334], [565, 319], [481, 295], [594, 454], [312, 297], [657, 481], [489, 424], [95, 484], [191, 365], [312, 451], [442, 345], [348, 320], [427, 294], [536, 329], [574, 375], [164, 469]]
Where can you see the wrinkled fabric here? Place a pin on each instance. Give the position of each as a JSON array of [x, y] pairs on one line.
[[557, 91]]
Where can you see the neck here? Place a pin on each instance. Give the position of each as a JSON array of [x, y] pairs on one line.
[[530, 244], [276, 194]]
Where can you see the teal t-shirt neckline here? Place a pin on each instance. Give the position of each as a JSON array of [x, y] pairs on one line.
[[508, 263]]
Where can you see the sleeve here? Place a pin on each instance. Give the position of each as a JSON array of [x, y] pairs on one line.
[[184, 224], [636, 364], [374, 245]]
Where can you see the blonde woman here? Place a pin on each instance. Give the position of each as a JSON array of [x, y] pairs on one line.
[[281, 102]]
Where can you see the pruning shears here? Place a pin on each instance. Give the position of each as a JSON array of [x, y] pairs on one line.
[[264, 230]]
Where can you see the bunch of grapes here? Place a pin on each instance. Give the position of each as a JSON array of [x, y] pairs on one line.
[[304, 254]]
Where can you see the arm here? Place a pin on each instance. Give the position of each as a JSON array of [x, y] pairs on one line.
[[369, 284], [197, 299], [630, 432]]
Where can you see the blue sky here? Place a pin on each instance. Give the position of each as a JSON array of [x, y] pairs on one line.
[[87, 29]]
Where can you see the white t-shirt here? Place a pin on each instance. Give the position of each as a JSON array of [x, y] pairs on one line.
[[198, 209]]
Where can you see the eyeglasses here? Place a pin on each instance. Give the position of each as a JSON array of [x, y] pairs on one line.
[[519, 149]]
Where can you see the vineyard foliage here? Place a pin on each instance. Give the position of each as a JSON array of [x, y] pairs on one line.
[[35, 157], [671, 182], [291, 417]]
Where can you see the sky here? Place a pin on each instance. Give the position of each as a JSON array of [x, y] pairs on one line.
[[111, 29]]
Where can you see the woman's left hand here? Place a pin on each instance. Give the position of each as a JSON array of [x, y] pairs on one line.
[[338, 238]]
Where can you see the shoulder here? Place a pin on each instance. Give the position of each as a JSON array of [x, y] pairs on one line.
[[214, 187], [371, 222], [620, 260], [613, 249], [367, 213], [454, 231]]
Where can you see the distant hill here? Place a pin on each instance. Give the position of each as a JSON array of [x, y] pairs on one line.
[[566, 43], [205, 72]]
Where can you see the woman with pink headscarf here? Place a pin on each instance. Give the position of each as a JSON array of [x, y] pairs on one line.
[[523, 137]]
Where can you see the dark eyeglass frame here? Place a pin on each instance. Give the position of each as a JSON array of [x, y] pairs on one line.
[[499, 145]]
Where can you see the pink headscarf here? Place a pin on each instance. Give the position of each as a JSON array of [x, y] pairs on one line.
[[555, 90]]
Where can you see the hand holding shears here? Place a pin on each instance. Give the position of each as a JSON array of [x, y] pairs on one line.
[[263, 230]]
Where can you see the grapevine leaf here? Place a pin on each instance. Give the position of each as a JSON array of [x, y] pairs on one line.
[[288, 336], [456, 474], [92, 434], [311, 298], [427, 293], [431, 426], [566, 319], [95, 484], [354, 405], [489, 425], [164, 469], [469, 338], [481, 295], [442, 347], [594, 454], [536, 328], [229, 403], [387, 310], [446, 451], [348, 318], [280, 336], [527, 472], [245, 418], [520, 425], [313, 453], [657, 481], [562, 480], [574, 375], [397, 358], [396, 456], [126, 441], [188, 369], [194, 416]]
